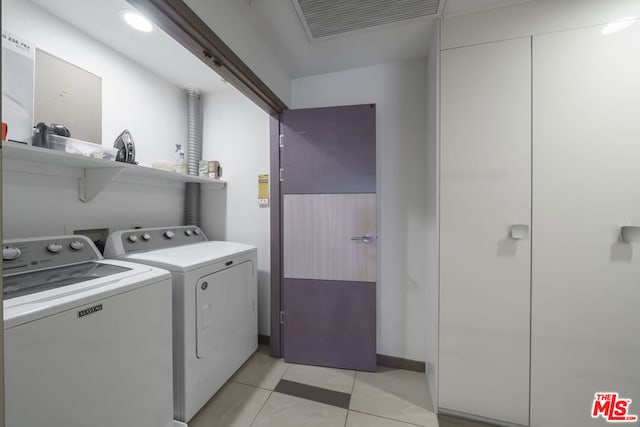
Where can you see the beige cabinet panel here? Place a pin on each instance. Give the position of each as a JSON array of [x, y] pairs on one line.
[[318, 231]]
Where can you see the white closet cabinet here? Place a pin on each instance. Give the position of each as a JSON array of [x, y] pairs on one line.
[[485, 202], [586, 185]]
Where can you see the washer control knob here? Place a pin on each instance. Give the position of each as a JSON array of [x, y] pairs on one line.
[[196, 231], [54, 248], [146, 236], [133, 238], [76, 245], [188, 232], [9, 253], [169, 234]]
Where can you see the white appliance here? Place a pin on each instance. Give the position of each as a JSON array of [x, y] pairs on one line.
[[215, 324], [87, 340]]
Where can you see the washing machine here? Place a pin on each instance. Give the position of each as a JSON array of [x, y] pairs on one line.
[[215, 323], [87, 341]]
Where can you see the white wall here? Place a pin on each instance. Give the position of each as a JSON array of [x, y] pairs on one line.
[[44, 205], [132, 97], [227, 20], [236, 133], [433, 217], [400, 93], [532, 18]]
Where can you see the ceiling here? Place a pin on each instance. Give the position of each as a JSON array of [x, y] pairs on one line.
[[101, 20], [279, 25]]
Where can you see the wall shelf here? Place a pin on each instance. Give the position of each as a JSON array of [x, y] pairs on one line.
[[94, 175]]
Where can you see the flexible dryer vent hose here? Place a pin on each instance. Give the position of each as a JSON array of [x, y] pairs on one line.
[[194, 155]]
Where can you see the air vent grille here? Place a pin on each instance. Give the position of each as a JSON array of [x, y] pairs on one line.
[[322, 18]]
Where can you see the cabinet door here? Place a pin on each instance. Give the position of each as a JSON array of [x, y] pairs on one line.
[[586, 185], [485, 190]]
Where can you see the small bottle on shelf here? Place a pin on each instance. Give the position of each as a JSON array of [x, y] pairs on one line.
[[181, 165]]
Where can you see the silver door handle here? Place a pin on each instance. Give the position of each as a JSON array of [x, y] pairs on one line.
[[519, 231], [365, 238], [629, 233]]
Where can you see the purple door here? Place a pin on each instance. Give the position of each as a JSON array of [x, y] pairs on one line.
[[329, 236]]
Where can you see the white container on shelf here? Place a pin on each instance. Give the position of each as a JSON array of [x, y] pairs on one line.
[[83, 148]]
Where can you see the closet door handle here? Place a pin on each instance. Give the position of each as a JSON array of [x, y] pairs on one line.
[[519, 231], [630, 233], [365, 238]]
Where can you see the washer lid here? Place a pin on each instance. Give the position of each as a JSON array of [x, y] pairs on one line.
[[52, 278], [32, 306], [189, 257]]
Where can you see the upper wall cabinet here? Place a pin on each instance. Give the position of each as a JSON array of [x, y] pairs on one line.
[[586, 187], [485, 196]]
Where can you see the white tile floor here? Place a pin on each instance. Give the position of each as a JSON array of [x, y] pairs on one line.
[[386, 398]]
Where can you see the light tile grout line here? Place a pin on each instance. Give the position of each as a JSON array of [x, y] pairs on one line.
[[261, 408], [285, 371], [387, 418], [374, 415], [251, 385], [268, 397], [287, 365], [353, 386]]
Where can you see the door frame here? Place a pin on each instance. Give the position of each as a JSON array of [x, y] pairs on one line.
[[180, 22], [275, 340]]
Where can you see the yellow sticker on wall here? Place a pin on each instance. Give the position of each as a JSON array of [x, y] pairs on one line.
[[263, 191]]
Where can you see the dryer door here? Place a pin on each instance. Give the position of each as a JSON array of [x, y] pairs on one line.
[[226, 307]]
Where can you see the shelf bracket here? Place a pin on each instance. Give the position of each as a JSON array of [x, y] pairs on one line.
[[95, 180]]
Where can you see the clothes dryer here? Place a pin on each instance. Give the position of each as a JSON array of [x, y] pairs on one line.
[[215, 323]]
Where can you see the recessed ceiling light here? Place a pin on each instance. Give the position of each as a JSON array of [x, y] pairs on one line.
[[137, 21], [620, 25]]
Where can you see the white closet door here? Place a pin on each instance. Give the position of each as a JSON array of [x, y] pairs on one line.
[[586, 185], [485, 191]]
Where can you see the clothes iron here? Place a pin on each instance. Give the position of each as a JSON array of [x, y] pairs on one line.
[[126, 148]]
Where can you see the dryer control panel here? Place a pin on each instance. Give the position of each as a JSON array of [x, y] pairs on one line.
[[147, 239]]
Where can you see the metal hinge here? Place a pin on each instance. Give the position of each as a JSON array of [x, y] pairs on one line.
[[282, 317], [281, 140], [281, 174]]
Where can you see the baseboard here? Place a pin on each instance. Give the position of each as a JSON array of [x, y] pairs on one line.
[[264, 339], [400, 363], [381, 359], [489, 422]]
